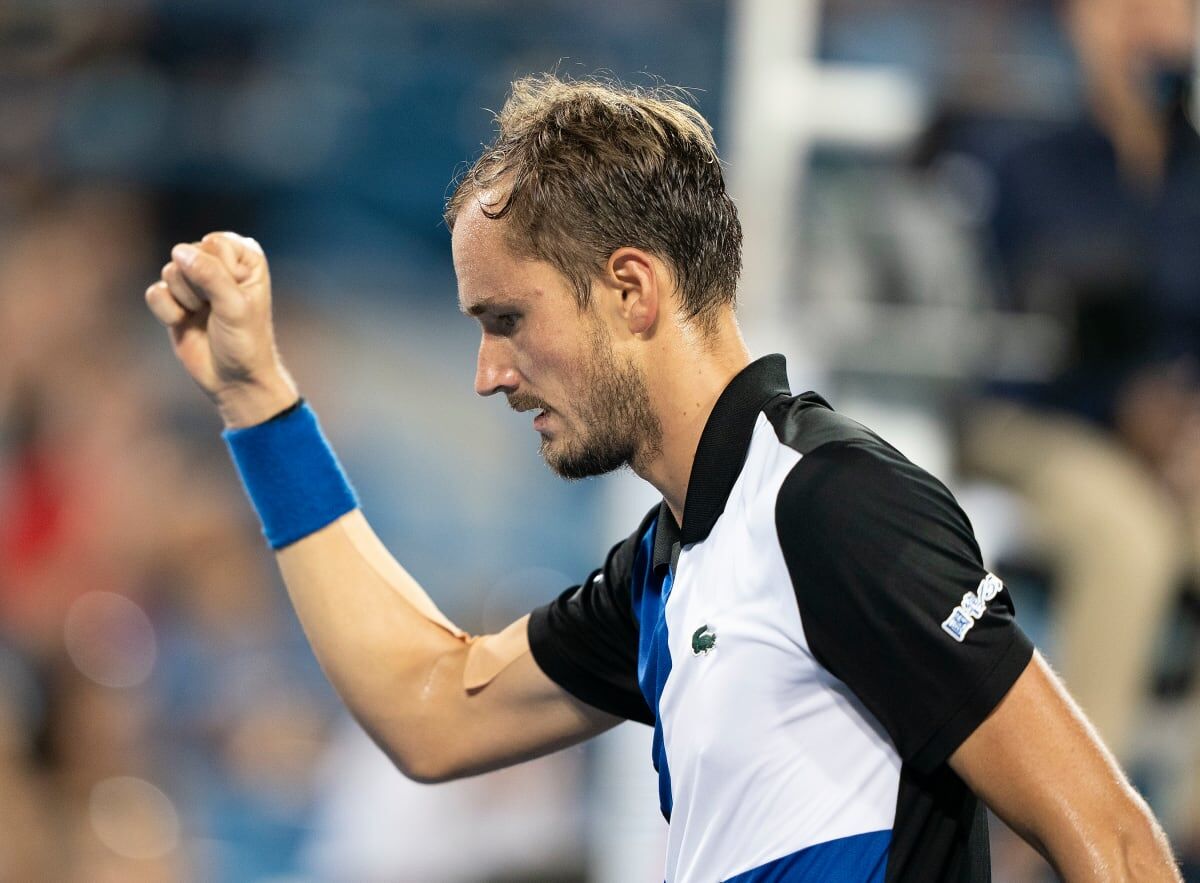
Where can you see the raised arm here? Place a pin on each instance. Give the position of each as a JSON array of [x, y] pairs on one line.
[[439, 703], [1040, 766]]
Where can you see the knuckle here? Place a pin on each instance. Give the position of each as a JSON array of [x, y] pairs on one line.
[[201, 268]]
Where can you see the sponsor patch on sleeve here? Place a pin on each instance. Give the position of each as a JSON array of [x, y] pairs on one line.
[[972, 607]]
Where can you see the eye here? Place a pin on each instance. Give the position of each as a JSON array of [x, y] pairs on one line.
[[507, 322]]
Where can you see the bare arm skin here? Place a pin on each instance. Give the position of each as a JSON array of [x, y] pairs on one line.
[[1039, 765], [439, 703]]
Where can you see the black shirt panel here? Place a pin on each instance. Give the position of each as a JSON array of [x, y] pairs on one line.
[[586, 640], [941, 831], [807, 421], [881, 556]]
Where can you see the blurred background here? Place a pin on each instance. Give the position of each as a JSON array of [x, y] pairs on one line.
[[974, 227]]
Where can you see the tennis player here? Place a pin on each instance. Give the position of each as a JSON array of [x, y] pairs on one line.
[[837, 685]]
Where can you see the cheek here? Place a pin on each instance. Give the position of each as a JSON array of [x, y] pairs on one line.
[[555, 370]]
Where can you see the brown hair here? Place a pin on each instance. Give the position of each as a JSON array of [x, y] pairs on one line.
[[583, 168]]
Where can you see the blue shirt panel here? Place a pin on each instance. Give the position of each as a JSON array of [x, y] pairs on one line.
[[648, 595], [860, 858]]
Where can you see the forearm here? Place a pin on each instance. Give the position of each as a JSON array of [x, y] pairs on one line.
[[386, 648], [1125, 844], [378, 636]]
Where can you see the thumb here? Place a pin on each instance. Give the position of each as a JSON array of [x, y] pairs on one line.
[[211, 280]]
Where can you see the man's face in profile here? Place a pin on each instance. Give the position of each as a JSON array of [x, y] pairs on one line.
[[547, 355]]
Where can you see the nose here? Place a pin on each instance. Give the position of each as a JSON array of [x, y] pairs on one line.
[[494, 371]]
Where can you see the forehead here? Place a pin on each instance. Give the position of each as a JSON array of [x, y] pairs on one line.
[[481, 256], [490, 275]]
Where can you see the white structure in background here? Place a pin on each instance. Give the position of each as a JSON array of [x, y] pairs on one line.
[[781, 103], [372, 825]]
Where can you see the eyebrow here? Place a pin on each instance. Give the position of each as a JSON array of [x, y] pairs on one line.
[[483, 306]]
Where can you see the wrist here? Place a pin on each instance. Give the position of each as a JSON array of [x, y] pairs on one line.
[[291, 474], [252, 403]]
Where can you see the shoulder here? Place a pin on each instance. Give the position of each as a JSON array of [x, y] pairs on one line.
[[847, 470], [863, 476], [854, 503], [806, 422]]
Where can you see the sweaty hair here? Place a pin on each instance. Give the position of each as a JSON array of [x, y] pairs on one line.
[[580, 169]]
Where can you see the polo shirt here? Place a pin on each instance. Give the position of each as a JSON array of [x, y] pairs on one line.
[[810, 646]]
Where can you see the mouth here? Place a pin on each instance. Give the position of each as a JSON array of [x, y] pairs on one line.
[[523, 403]]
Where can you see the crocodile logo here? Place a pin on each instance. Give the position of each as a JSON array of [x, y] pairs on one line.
[[704, 641]]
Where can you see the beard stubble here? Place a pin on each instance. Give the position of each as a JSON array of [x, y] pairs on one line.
[[617, 425]]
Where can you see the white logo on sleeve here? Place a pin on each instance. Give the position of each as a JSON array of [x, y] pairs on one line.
[[972, 607]]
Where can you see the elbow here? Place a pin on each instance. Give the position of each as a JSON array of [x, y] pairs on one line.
[[430, 765], [1128, 845], [422, 747], [1146, 855], [423, 761], [415, 721], [424, 770], [1144, 849]]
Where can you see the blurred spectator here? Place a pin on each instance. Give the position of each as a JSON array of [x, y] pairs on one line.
[[81, 459], [1097, 224]]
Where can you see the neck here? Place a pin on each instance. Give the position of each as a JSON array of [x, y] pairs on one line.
[[683, 398]]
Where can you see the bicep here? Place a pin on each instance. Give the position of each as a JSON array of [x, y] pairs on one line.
[[500, 708], [562, 674]]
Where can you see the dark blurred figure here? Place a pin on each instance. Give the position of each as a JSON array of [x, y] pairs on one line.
[[27, 837], [1098, 223]]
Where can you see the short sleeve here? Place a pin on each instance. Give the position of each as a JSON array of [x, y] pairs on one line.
[[586, 640], [894, 598]]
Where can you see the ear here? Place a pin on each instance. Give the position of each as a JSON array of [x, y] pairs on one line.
[[634, 275]]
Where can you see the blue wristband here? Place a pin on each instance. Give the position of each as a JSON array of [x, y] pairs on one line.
[[292, 475]]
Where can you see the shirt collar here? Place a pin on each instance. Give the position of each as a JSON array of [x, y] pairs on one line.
[[720, 455]]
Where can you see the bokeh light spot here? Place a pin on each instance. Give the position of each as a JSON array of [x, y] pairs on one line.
[[133, 818], [110, 639]]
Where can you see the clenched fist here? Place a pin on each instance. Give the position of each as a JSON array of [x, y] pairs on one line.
[[215, 299]]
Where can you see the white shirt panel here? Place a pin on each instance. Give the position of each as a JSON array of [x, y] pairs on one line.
[[768, 753]]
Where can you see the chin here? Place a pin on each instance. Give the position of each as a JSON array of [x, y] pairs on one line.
[[576, 465]]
